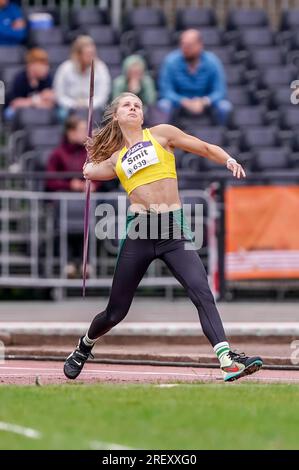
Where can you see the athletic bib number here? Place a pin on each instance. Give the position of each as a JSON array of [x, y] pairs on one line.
[[140, 156]]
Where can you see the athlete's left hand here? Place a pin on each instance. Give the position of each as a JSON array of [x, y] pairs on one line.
[[236, 168]]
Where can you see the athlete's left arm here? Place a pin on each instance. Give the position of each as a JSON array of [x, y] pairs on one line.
[[179, 139]]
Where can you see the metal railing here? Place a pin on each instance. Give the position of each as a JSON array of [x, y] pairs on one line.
[[34, 240], [117, 7]]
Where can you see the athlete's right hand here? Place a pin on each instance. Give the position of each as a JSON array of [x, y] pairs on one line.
[[86, 170]]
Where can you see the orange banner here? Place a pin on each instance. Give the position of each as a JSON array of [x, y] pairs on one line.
[[262, 232]]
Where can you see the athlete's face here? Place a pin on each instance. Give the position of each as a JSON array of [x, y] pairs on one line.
[[129, 110]]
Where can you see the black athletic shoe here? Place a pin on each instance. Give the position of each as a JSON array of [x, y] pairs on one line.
[[76, 360], [241, 366]]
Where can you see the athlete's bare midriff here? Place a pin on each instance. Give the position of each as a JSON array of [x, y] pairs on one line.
[[160, 196]]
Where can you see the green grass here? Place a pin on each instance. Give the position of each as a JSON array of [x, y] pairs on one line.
[[198, 416]]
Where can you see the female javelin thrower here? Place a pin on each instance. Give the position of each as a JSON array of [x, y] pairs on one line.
[[153, 191]]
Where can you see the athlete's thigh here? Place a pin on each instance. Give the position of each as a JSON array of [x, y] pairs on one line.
[[134, 258], [186, 266]]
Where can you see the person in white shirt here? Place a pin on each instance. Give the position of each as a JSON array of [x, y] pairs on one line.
[[71, 81]]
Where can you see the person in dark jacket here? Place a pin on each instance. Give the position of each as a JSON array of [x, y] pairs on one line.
[[70, 156], [32, 87]]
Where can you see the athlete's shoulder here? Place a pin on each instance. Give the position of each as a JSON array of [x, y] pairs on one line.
[[165, 130], [165, 134]]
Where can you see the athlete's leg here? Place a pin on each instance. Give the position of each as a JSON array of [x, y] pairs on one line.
[[133, 261], [188, 268]]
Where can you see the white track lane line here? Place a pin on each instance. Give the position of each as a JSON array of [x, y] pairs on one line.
[[44, 372], [199, 376], [97, 371], [16, 429]]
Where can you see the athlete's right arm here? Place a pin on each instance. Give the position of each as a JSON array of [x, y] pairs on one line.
[[103, 171]]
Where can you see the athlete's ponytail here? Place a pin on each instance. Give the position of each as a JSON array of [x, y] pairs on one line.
[[108, 138]]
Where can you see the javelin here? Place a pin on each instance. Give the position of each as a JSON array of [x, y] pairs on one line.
[[87, 183]]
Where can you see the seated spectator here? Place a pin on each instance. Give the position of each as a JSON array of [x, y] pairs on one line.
[[32, 87], [12, 24], [135, 79], [71, 81], [70, 156], [193, 80]]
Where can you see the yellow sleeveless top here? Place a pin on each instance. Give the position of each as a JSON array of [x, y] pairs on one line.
[[145, 162]]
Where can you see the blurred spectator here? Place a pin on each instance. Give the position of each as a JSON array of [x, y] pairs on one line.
[[135, 79], [193, 79], [33, 86], [71, 81], [12, 24], [70, 156]]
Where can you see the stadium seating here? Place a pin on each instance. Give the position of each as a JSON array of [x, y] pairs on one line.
[[239, 95], [289, 117], [111, 55], [289, 19], [226, 54], [45, 136], [154, 37], [280, 97], [195, 18], [260, 63], [46, 37], [87, 16], [246, 18], [30, 117], [266, 56], [11, 55], [156, 55], [103, 35], [244, 116], [212, 37], [257, 37], [144, 17], [58, 53], [272, 158], [259, 137]]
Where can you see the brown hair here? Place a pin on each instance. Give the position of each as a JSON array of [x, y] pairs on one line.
[[37, 55], [108, 138]]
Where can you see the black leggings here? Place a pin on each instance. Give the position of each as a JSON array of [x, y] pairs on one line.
[[135, 257]]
